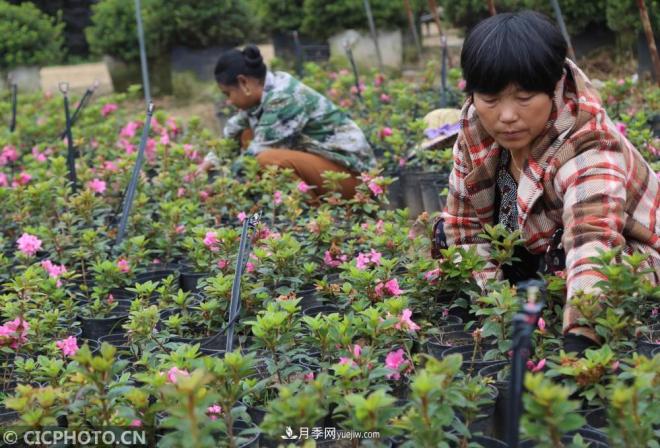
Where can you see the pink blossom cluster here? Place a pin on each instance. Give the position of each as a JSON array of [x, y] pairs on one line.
[[357, 351], [364, 260], [97, 185], [13, 333], [109, 108], [405, 322], [390, 288], [69, 346], [23, 178], [432, 275], [192, 153], [303, 187], [28, 244], [123, 265], [175, 373], [334, 260], [374, 183], [211, 241], [8, 154], [214, 411], [395, 361], [535, 367]]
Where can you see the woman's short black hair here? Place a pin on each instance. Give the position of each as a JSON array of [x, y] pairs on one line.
[[247, 62], [523, 48]]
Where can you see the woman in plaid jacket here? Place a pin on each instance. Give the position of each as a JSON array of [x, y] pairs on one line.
[[537, 153]]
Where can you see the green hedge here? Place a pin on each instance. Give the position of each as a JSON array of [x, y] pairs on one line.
[[29, 37]]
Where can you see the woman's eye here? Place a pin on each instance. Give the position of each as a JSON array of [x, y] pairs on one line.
[[525, 98]]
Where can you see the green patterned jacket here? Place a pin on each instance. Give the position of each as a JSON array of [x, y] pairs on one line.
[[294, 116]]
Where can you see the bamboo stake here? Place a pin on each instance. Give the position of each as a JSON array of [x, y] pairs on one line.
[[646, 23], [491, 7], [413, 27]]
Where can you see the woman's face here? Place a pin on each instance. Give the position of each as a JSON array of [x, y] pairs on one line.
[[513, 117], [245, 94]]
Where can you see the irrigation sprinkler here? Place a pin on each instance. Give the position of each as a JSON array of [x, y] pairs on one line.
[[14, 103], [81, 104], [562, 27], [523, 326], [374, 35], [143, 53], [356, 75], [132, 186], [70, 156]]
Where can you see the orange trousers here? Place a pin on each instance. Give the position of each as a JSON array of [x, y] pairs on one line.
[[308, 167]]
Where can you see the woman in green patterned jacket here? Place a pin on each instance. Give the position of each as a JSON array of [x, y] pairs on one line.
[[290, 124]]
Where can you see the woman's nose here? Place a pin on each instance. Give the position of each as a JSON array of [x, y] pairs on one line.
[[508, 114]]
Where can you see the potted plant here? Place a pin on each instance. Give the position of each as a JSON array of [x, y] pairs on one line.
[[33, 39], [113, 34]]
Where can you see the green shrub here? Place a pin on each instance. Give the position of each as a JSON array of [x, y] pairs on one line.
[[29, 37], [277, 15], [207, 23], [114, 30], [323, 18]]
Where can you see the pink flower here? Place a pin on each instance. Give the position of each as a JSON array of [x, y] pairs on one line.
[[130, 129], [171, 124], [38, 156], [29, 244], [303, 187], [357, 351], [180, 192], [541, 324], [392, 287], [621, 127], [22, 179], [129, 148], [123, 265], [277, 197], [380, 227], [385, 132], [97, 186], [621, 82], [402, 162], [309, 376], [108, 109], [69, 346], [378, 80], [461, 84], [222, 264], [249, 266], [135, 423], [211, 241], [344, 360], [12, 333], [535, 367], [214, 411], [8, 154], [362, 261], [110, 166], [180, 229], [156, 261], [332, 261], [406, 323], [241, 216], [615, 365], [110, 299], [164, 138], [385, 98], [375, 188], [175, 373], [433, 275], [54, 271], [345, 103], [394, 361], [203, 195], [3, 180]]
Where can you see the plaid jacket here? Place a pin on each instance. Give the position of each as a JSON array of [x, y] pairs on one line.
[[582, 175]]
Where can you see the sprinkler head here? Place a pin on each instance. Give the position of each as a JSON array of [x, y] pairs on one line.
[[64, 87]]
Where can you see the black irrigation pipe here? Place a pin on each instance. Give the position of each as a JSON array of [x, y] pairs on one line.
[[132, 186], [523, 327], [70, 155], [81, 104], [14, 104], [443, 98], [349, 53]]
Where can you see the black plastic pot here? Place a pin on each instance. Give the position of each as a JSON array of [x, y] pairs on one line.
[[486, 442], [656, 351], [320, 309], [437, 346], [647, 345], [93, 344], [96, 328], [596, 418], [7, 416], [213, 346], [502, 401], [156, 275], [189, 280], [308, 299], [469, 365]]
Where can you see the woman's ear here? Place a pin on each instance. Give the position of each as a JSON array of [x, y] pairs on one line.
[[244, 84]]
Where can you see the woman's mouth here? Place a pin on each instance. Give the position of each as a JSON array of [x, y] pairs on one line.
[[512, 134]]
